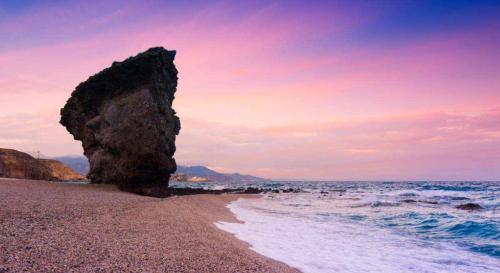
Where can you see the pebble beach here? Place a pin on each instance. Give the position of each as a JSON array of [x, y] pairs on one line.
[[56, 227]]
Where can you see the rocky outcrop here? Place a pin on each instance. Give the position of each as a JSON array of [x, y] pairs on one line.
[[61, 171], [15, 164], [123, 115]]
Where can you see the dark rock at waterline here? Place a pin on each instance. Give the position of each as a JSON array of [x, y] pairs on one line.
[[290, 190], [469, 206], [189, 191], [123, 115], [253, 190], [242, 190]]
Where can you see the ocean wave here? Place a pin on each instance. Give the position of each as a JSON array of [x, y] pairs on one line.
[[488, 249], [484, 230], [376, 203], [423, 213], [465, 188], [335, 244]]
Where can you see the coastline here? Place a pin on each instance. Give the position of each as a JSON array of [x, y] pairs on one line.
[[51, 227]]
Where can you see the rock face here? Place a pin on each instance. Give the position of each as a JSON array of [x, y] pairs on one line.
[[123, 115], [61, 171], [15, 164]]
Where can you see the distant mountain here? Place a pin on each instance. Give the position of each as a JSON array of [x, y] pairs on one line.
[[202, 171], [81, 165], [198, 171]]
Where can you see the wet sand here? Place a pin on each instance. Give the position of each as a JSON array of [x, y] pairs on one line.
[[50, 227]]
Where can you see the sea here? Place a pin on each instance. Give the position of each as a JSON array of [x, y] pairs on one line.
[[371, 226]]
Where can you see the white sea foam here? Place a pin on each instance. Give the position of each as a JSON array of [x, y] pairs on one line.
[[315, 244]]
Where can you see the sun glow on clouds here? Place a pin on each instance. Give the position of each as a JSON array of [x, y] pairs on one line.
[[407, 147], [284, 89]]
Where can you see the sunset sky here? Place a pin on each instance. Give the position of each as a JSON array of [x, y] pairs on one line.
[[327, 90]]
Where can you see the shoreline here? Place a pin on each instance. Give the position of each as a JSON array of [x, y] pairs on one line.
[[51, 227]]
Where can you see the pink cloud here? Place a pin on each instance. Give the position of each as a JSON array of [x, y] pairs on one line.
[[275, 102], [37, 132], [406, 147]]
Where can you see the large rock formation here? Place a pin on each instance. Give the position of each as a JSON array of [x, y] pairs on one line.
[[123, 115], [15, 164]]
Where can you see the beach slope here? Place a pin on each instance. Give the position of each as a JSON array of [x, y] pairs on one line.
[[49, 227]]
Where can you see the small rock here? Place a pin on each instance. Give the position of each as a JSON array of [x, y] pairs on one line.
[[469, 206], [252, 190]]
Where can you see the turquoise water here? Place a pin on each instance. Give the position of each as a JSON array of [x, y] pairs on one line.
[[420, 216]]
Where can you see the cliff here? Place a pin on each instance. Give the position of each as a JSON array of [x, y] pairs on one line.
[[15, 164], [61, 171]]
